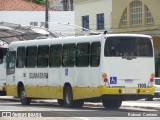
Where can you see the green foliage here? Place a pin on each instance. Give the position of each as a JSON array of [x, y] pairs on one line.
[[40, 2]]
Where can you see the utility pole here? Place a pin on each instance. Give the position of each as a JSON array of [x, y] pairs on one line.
[[46, 16]]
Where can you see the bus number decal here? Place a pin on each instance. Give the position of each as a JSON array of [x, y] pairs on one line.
[[142, 85]]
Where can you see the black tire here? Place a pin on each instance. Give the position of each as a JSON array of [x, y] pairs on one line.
[[23, 99], [78, 103], [60, 102], [68, 99], [112, 103], [150, 98]]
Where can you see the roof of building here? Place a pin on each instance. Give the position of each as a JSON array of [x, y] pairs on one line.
[[10, 32], [19, 5]]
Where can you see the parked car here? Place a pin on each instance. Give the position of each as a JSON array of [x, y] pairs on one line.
[[157, 90]]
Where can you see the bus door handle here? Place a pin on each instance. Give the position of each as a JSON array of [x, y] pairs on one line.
[[24, 74]]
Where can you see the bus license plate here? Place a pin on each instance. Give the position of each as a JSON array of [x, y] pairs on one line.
[[129, 91]]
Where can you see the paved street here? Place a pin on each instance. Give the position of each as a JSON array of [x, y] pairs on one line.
[[155, 104], [50, 108]]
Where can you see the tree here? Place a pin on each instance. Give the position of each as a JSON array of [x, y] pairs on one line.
[[41, 2]]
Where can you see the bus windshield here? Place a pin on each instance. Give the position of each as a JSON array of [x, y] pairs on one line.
[[128, 46]]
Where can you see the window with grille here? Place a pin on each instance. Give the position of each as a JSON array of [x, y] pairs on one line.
[[100, 21], [149, 18], [124, 18], [136, 13]]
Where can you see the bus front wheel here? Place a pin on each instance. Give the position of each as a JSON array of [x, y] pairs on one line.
[[111, 103], [24, 100], [68, 99]]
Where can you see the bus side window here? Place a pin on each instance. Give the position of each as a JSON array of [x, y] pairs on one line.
[[31, 56], [11, 59], [43, 55], [83, 51], [55, 59], [95, 54], [69, 53], [20, 57]]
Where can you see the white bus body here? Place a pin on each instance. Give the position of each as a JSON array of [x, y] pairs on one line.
[[111, 68]]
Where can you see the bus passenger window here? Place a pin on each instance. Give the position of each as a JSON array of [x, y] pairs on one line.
[[31, 56], [83, 50], [69, 55], [43, 55], [55, 56], [95, 54], [20, 57]]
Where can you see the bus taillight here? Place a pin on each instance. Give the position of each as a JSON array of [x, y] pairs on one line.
[[152, 78], [105, 79]]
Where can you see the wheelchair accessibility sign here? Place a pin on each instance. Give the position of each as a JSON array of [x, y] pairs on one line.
[[113, 80]]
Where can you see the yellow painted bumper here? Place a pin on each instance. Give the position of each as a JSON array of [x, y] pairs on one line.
[[126, 91]]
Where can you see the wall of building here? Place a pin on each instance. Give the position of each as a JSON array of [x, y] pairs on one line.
[[57, 19], [91, 8], [152, 29]]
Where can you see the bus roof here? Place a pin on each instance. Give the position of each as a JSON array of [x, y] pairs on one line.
[[68, 40]]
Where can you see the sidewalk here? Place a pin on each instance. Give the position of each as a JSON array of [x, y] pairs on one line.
[[140, 104]]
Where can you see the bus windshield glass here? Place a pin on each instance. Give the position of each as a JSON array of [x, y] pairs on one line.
[[128, 46]]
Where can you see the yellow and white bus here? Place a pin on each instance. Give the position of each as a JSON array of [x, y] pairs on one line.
[[107, 67]]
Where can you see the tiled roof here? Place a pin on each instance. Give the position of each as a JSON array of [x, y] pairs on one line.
[[19, 5]]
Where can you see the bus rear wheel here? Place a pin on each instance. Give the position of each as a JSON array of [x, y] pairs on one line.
[[112, 103], [150, 98], [68, 99], [23, 99]]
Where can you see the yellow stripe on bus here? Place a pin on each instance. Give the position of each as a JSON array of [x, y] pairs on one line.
[[78, 92], [12, 91]]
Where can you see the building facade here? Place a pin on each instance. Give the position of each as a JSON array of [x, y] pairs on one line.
[[95, 15], [136, 16]]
